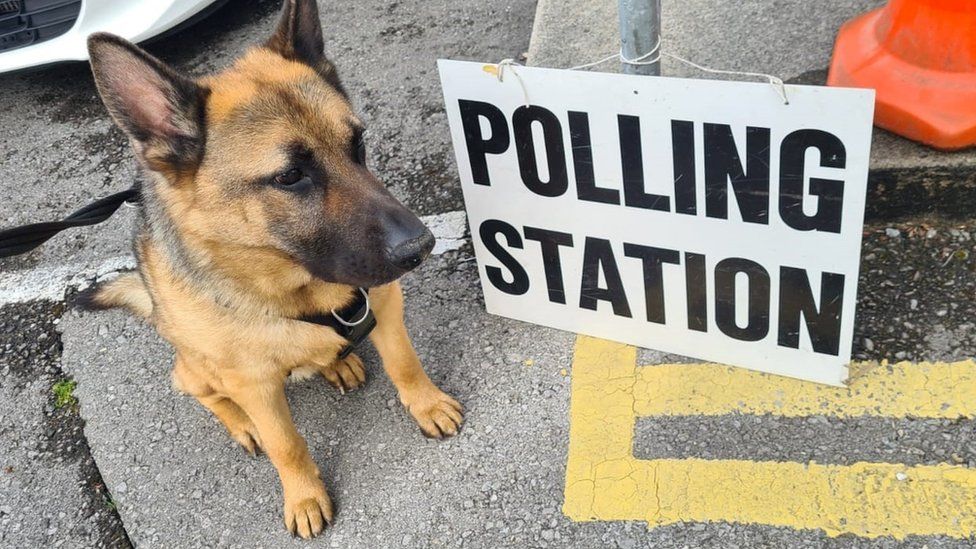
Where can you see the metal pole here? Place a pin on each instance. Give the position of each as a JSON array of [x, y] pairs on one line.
[[640, 31]]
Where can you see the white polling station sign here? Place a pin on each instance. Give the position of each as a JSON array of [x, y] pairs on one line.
[[697, 217]]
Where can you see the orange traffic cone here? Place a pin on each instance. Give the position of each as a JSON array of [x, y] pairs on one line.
[[920, 56]]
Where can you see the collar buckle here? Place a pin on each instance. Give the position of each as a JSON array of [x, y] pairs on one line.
[[366, 313]]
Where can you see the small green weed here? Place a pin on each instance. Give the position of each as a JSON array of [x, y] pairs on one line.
[[64, 393]]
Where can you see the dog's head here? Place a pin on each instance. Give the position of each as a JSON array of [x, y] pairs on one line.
[[267, 155]]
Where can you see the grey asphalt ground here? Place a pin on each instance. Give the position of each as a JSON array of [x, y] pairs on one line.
[[500, 482], [51, 493], [153, 469]]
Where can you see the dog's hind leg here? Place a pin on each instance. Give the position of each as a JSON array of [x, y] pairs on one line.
[[238, 424], [437, 414]]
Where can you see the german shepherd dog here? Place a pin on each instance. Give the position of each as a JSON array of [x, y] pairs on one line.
[[258, 209]]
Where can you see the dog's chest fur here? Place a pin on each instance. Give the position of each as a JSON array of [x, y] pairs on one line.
[[216, 304]]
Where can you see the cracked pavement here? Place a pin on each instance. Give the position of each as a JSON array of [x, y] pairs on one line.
[[151, 468]]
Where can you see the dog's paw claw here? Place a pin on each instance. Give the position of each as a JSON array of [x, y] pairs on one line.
[[345, 374], [251, 446], [247, 437], [436, 413], [307, 517]]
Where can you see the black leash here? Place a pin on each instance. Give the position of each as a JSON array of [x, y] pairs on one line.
[[353, 322], [20, 240]]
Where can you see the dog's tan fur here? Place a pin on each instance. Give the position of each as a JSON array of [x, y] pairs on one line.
[[228, 300]]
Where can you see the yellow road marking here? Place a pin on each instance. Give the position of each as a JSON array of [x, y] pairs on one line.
[[605, 482], [901, 390]]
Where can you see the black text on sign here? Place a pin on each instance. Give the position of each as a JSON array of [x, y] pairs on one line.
[[695, 217]]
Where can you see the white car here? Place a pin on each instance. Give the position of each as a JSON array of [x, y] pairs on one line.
[[40, 32]]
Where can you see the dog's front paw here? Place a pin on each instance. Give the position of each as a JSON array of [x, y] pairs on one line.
[[437, 414], [345, 374], [306, 515]]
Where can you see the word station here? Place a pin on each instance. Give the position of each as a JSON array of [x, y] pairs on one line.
[[729, 232]]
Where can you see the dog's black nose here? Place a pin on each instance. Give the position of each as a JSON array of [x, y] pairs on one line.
[[409, 253]]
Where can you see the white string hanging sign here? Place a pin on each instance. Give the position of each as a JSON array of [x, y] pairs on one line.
[[649, 58]]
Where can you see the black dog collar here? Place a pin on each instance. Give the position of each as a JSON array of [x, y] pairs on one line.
[[353, 322]]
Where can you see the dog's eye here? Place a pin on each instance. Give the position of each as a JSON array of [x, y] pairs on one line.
[[359, 149], [289, 178]]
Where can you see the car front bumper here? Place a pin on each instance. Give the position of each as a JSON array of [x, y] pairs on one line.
[[135, 20]]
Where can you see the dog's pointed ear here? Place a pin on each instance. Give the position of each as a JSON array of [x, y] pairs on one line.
[[299, 38], [161, 111], [299, 33]]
